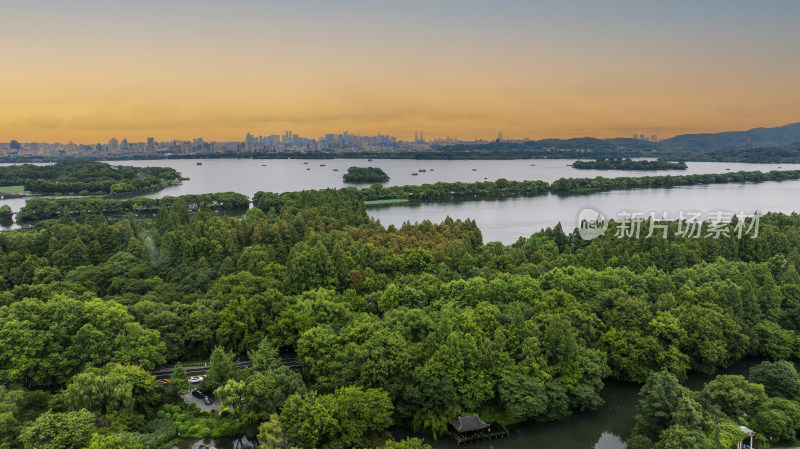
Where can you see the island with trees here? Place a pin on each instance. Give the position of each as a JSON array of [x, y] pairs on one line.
[[363, 175], [406, 326], [6, 215], [628, 164], [86, 177]]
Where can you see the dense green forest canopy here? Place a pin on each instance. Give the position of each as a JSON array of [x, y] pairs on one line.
[[766, 402], [628, 164], [406, 326], [365, 175], [86, 177]]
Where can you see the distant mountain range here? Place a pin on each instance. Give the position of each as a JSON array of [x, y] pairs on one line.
[[764, 145], [754, 138]]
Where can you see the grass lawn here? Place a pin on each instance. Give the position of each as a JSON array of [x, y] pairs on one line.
[[379, 202], [13, 189]]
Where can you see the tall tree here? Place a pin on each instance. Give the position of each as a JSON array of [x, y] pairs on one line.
[[221, 369], [270, 433], [179, 382], [71, 430], [660, 400], [336, 421], [119, 388], [779, 378], [115, 441]]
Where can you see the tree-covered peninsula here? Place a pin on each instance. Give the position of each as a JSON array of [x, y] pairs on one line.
[[628, 164], [86, 177]]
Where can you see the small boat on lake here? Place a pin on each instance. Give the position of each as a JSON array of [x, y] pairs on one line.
[[414, 174], [422, 170], [335, 169], [199, 163], [474, 169]]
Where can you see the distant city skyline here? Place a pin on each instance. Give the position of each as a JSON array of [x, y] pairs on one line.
[[287, 142], [250, 136], [87, 71]]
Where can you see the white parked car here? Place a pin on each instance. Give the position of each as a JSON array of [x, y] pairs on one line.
[[195, 379]]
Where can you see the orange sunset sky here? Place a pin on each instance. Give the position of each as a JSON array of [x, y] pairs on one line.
[[87, 71]]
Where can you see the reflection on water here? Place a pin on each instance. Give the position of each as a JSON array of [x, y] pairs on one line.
[[604, 428], [608, 427]]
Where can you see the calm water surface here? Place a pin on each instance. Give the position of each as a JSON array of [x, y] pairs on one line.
[[248, 176], [507, 220], [504, 220]]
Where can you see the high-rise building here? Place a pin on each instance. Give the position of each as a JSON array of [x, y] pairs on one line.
[[654, 138], [14, 145], [641, 136]]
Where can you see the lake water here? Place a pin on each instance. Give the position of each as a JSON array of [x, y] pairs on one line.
[[501, 220], [506, 220], [248, 176]]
